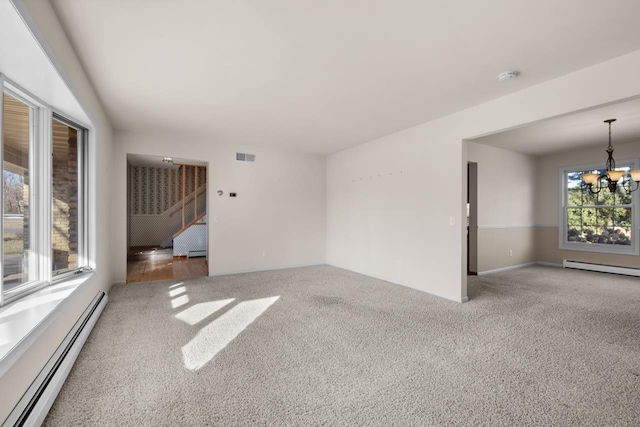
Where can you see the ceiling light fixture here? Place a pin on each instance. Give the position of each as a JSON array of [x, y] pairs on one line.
[[593, 180], [167, 160], [507, 75]]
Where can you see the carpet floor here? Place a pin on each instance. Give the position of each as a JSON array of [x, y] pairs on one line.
[[324, 346]]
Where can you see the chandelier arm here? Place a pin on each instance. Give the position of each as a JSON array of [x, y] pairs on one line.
[[590, 186], [628, 186]]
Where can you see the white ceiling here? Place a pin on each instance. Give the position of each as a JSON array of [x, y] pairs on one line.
[[322, 76], [25, 63], [583, 129]]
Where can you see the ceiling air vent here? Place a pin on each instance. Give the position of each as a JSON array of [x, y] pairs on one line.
[[245, 157]]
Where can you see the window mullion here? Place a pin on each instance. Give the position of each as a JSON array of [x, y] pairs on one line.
[[44, 220], [34, 191], [83, 247]]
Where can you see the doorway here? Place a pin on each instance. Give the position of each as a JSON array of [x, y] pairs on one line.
[[472, 218], [167, 229]]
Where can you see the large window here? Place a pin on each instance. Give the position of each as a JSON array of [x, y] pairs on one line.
[[66, 188], [16, 192], [43, 195], [602, 222]]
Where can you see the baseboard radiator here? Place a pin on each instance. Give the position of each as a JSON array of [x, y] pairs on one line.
[[194, 254], [36, 402], [601, 268]]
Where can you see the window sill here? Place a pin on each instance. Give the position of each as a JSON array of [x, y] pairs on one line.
[[601, 249], [24, 320]]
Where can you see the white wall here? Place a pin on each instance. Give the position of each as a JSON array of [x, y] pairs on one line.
[[23, 61], [43, 22], [398, 228], [280, 203], [507, 191], [388, 206], [506, 186]]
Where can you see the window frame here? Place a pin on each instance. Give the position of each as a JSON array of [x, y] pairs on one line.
[[634, 248], [41, 197], [83, 247]]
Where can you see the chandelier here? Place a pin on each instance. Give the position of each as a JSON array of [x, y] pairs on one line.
[[594, 181]]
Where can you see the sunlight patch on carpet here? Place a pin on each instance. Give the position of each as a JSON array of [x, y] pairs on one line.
[[215, 336], [198, 312], [177, 291], [179, 301]]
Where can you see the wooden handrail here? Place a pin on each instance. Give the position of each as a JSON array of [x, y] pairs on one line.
[[195, 186], [184, 184], [178, 206]]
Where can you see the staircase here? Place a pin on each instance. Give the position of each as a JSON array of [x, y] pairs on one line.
[[153, 221], [191, 241]]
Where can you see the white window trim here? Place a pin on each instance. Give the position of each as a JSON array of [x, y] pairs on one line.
[[41, 146], [634, 248], [38, 138], [83, 184]]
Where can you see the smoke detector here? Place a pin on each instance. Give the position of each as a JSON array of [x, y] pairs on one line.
[[507, 75]]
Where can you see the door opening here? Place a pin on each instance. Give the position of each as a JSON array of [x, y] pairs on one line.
[[472, 218], [167, 229]]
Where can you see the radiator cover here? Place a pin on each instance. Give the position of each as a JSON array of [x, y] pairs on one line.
[[601, 268]]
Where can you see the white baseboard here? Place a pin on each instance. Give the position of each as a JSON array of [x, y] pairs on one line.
[[549, 264], [256, 270], [515, 267], [395, 282], [511, 267]]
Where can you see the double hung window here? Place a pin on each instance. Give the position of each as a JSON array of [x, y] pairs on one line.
[[598, 222]]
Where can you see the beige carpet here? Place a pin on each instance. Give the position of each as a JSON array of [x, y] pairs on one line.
[[535, 346]]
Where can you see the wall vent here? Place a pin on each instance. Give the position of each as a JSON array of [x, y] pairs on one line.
[[245, 157]]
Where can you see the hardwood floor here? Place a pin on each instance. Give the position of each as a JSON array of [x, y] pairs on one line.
[[146, 264]]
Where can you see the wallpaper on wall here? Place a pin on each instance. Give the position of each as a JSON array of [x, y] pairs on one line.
[[154, 190], [155, 202]]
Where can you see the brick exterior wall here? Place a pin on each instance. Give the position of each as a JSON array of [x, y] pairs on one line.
[[65, 197]]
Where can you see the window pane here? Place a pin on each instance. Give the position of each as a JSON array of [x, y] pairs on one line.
[[622, 226], [604, 220], [575, 232], [622, 197], [576, 197], [591, 199], [65, 197], [605, 197], [15, 192]]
